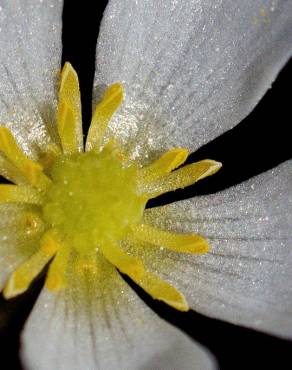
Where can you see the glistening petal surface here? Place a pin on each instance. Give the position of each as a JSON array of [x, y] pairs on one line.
[[96, 325], [18, 240], [246, 278], [30, 44], [192, 69]]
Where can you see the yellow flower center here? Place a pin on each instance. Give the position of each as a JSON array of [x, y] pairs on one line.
[[89, 202], [93, 199]]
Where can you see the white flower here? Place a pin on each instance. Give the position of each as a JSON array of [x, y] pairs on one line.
[[191, 70]]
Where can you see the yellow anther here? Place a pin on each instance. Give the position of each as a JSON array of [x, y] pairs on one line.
[[22, 277], [164, 165], [103, 112], [31, 170], [183, 177], [56, 276], [66, 127], [69, 119], [163, 291], [181, 243], [127, 264], [10, 172], [19, 194]]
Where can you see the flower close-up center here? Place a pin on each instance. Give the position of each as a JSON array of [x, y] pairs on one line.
[[113, 253], [89, 202], [93, 199]]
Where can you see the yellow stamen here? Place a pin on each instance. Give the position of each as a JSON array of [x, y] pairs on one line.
[[47, 159], [19, 194], [10, 172], [151, 283], [56, 276], [183, 177], [22, 277], [163, 291], [31, 170], [164, 165], [102, 115], [129, 265], [50, 242], [69, 119], [182, 243], [66, 127]]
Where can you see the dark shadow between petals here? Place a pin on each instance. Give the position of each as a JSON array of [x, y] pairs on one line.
[[234, 347], [13, 315], [81, 21], [260, 142]]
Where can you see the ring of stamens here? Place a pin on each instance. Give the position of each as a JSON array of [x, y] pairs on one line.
[[91, 201]]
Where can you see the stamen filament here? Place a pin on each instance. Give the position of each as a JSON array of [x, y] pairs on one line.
[[183, 177], [19, 194], [69, 119], [151, 283], [181, 243], [129, 265], [31, 170], [56, 275], [50, 242], [22, 277], [10, 172], [66, 128], [163, 291], [112, 99], [164, 165]]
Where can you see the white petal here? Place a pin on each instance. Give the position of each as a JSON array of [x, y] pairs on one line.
[[104, 328], [247, 276], [192, 69], [16, 245], [30, 44]]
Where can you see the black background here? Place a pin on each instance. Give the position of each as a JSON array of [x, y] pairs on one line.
[[258, 143]]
